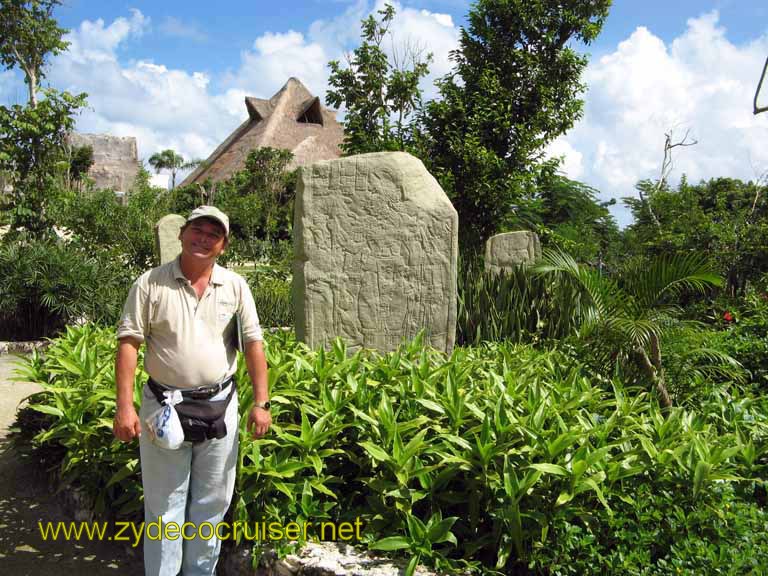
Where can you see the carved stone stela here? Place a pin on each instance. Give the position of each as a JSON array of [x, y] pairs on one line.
[[167, 243], [375, 251], [510, 249]]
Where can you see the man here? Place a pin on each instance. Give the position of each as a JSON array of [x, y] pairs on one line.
[[187, 313]]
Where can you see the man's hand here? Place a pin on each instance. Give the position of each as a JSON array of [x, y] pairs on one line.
[[127, 425], [259, 421]]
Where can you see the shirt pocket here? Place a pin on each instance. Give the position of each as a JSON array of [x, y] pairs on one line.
[[225, 311]]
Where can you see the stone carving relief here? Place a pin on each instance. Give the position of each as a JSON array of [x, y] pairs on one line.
[[376, 244]]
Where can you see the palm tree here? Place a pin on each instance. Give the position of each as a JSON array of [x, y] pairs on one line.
[[627, 316], [170, 160]]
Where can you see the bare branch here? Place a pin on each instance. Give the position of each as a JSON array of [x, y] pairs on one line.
[[666, 168], [758, 109]]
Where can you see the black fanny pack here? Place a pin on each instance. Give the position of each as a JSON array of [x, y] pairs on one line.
[[201, 419]]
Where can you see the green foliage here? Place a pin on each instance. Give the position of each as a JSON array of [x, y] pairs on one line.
[[745, 335], [513, 89], [29, 35], [697, 361], [500, 457], [47, 285], [379, 96], [272, 294], [725, 218], [568, 216], [627, 316], [80, 161], [661, 532], [519, 306], [100, 221], [259, 202], [78, 400], [31, 143]]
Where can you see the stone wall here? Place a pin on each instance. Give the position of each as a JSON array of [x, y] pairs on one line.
[[115, 159]]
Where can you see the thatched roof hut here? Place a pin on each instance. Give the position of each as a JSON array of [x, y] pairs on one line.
[[293, 119]]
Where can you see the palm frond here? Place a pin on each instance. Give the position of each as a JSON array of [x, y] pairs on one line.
[[669, 274]]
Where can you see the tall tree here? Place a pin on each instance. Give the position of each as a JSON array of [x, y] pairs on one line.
[[572, 218], [514, 88], [32, 137], [28, 36], [170, 160], [379, 94]]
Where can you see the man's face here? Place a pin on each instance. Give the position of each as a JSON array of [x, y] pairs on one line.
[[203, 238]]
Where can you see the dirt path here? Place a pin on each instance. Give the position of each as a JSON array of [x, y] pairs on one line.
[[26, 499]]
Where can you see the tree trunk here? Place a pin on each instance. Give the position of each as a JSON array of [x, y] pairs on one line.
[[656, 376]]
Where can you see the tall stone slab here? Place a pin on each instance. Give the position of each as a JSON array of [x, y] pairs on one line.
[[167, 243], [510, 249], [375, 251]]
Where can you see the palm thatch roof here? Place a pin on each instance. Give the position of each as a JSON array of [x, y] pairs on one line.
[[293, 119]]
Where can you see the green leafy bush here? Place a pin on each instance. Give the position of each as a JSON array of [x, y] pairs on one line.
[[125, 230], [271, 290], [78, 401], [518, 306], [48, 285], [500, 457]]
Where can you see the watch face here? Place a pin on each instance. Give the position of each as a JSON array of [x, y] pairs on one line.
[[264, 405]]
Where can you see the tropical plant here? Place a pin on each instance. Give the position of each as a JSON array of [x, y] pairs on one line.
[[32, 140], [379, 94], [80, 161], [32, 136], [515, 305], [124, 229], [272, 295], [498, 458], [169, 160], [628, 315], [259, 202], [722, 217]]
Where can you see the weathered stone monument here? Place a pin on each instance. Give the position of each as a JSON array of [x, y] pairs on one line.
[[375, 251], [115, 159], [167, 243], [510, 249]]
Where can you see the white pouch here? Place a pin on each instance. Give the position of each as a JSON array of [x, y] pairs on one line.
[[163, 424]]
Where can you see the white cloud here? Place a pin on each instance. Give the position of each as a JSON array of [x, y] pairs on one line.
[[96, 43], [277, 56], [192, 112], [700, 82], [161, 107]]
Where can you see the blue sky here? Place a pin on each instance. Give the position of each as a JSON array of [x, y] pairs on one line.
[[174, 74]]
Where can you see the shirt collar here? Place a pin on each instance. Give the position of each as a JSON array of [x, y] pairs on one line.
[[217, 274]]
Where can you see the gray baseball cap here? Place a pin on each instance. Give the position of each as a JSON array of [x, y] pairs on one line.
[[210, 212]]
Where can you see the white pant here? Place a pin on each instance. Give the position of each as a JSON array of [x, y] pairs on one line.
[[191, 484]]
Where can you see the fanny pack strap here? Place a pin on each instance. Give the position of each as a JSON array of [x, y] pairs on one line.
[[201, 419]]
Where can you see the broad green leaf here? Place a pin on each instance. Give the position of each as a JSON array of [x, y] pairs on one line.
[[391, 543]]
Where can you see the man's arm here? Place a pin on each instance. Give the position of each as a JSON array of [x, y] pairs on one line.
[[259, 419], [127, 425]]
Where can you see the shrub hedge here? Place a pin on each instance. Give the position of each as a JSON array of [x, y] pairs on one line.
[[500, 458]]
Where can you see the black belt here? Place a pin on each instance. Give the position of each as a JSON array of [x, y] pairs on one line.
[[203, 393]]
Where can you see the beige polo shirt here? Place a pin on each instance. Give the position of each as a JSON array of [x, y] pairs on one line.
[[190, 342]]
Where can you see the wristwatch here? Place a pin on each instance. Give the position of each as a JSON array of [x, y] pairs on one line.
[[262, 405]]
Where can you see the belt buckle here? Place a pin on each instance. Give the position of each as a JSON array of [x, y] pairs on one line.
[[207, 392]]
